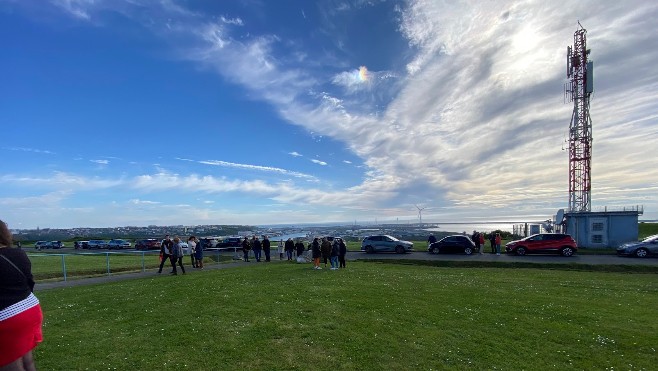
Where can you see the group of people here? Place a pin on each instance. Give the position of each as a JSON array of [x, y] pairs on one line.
[[494, 240], [333, 251], [174, 251], [21, 317]]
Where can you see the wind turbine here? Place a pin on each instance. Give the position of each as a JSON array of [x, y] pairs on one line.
[[420, 215]]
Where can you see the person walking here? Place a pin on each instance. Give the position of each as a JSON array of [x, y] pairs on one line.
[[335, 250], [497, 240], [177, 256], [257, 246], [266, 248], [191, 250], [165, 251], [21, 317], [481, 240], [246, 246], [316, 253], [341, 253], [289, 247], [431, 239]]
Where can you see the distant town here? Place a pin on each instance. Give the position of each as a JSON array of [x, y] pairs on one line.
[[407, 231]]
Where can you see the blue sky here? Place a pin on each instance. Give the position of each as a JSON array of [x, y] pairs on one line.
[[139, 112]]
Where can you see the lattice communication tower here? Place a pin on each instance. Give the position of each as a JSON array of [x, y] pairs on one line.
[[578, 90]]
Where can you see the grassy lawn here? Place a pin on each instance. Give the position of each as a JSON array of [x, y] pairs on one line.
[[369, 316]]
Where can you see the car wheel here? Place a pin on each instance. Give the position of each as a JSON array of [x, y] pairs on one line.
[[641, 253], [468, 250], [369, 250], [520, 250], [566, 251], [399, 250], [436, 250]]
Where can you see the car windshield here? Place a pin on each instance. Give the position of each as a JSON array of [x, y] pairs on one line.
[[391, 238], [651, 238]]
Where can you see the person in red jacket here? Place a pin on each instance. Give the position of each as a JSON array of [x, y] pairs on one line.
[[498, 239], [20, 313]]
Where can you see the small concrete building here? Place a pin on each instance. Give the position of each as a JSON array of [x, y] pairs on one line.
[[602, 229]]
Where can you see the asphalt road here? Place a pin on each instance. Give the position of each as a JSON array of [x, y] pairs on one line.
[[543, 259]]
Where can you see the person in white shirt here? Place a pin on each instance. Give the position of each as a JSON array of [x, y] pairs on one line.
[[191, 250]]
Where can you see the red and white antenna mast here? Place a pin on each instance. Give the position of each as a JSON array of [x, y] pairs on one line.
[[578, 89]]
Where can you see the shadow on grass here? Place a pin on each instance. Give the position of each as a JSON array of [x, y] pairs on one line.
[[550, 266]]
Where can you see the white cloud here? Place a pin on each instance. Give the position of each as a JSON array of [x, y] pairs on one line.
[[23, 149], [251, 167], [100, 162], [294, 154], [318, 162], [234, 21]]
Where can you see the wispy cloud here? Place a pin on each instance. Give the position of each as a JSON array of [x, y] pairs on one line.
[[294, 154], [234, 21], [23, 149], [100, 162], [318, 162], [251, 167]]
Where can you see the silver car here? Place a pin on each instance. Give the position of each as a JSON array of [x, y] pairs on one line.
[[641, 249], [385, 242]]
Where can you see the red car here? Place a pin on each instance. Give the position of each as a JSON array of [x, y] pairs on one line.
[[148, 244], [543, 243]]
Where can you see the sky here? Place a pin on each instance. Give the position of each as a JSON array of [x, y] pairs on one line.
[[170, 112]]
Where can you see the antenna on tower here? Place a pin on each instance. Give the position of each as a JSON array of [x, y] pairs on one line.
[[579, 88], [420, 215]]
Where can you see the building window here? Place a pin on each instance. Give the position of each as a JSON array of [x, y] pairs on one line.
[[597, 227], [597, 238]]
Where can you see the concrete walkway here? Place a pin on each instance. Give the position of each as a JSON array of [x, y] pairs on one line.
[[41, 286]]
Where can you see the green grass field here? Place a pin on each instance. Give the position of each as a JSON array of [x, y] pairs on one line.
[[369, 316]]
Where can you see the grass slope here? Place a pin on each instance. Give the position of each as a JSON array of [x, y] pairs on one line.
[[369, 316]]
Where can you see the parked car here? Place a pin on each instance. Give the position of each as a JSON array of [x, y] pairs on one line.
[[543, 243], [230, 242], [40, 245], [97, 244], [118, 244], [377, 243], [54, 245], [453, 244], [640, 249], [207, 243], [81, 244], [148, 244]]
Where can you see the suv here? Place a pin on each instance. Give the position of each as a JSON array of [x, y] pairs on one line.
[[40, 245], [543, 243], [118, 244], [385, 242], [97, 244], [148, 244]]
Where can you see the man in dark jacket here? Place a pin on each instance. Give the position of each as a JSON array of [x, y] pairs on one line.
[[257, 246], [317, 253], [299, 246], [341, 253], [266, 248], [326, 250], [165, 251], [289, 246], [245, 249]]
